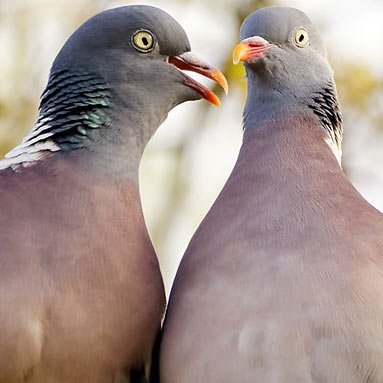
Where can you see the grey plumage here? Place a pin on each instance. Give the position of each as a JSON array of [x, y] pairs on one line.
[[283, 280], [81, 293], [72, 104]]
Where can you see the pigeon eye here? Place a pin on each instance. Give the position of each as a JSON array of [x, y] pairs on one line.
[[301, 37], [143, 41]]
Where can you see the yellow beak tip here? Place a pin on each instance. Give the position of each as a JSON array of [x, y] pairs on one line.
[[219, 77], [226, 88], [240, 53]]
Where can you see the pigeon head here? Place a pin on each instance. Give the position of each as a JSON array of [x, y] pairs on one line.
[[287, 68], [114, 82], [144, 44], [282, 44]]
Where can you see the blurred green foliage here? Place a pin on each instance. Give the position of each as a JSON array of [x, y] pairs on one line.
[[361, 93]]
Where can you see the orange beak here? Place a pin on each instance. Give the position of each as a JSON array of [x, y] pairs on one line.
[[188, 61], [251, 48]]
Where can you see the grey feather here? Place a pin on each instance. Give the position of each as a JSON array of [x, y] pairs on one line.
[[81, 292], [283, 280]]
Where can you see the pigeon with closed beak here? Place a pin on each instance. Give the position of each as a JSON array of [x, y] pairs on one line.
[[81, 294], [283, 280]]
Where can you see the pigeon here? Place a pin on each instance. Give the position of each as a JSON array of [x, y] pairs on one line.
[[283, 280], [81, 293]]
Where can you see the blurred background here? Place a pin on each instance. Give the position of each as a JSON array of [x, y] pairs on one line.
[[189, 159]]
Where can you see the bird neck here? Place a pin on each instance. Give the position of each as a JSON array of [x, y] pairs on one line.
[[82, 112], [284, 153], [318, 102]]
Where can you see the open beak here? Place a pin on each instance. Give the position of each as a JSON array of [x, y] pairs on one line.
[[188, 61], [250, 49]]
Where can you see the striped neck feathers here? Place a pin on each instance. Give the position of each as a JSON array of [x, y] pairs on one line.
[[322, 101], [72, 106], [326, 106]]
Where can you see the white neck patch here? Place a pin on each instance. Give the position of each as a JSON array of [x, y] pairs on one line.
[[336, 149], [33, 148]]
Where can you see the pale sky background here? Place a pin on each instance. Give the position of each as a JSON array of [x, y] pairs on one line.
[[351, 29]]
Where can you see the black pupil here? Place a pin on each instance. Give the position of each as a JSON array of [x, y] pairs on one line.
[[301, 37], [145, 41]]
